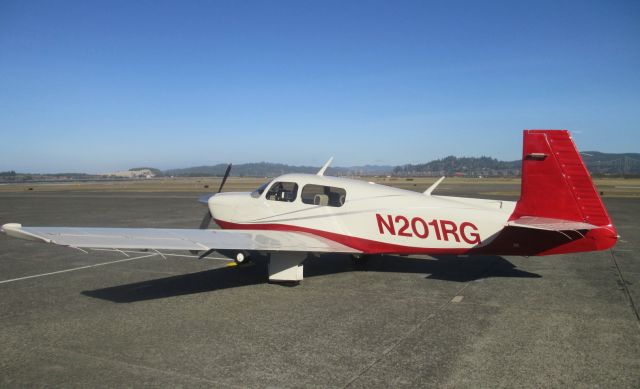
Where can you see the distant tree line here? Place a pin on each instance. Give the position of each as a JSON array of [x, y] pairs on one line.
[[260, 169], [451, 165], [610, 164], [599, 164]]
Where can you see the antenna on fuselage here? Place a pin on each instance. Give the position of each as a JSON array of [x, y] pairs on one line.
[[433, 187], [324, 167]]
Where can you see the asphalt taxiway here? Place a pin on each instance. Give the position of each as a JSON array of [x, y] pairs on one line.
[[106, 320]]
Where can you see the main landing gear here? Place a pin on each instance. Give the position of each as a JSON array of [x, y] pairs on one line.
[[285, 267], [360, 259]]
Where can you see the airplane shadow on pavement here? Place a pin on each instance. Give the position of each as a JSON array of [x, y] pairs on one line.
[[448, 268]]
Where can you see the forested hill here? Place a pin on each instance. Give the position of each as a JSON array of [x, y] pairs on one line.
[[612, 163], [451, 165], [266, 169], [598, 163], [245, 169]]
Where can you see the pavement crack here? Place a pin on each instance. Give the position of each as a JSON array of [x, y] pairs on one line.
[[131, 365], [432, 315], [623, 283]]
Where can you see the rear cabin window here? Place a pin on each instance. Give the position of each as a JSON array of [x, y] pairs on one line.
[[283, 191], [323, 195]]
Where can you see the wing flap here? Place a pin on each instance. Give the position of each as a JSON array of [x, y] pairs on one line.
[[176, 239]]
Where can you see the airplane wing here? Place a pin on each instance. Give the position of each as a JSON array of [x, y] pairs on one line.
[[549, 224], [177, 239]]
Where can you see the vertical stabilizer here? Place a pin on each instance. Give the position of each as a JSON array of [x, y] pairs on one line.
[[555, 181]]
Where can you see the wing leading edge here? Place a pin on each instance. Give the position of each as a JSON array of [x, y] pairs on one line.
[[177, 239]]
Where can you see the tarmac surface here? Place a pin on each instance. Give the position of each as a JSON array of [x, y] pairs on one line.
[[106, 320]]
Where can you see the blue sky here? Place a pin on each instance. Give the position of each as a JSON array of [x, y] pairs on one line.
[[98, 86]]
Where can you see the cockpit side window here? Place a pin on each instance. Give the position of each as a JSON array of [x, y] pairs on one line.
[[283, 191], [323, 195], [256, 193]]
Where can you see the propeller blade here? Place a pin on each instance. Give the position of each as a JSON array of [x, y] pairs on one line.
[[224, 179], [206, 220]]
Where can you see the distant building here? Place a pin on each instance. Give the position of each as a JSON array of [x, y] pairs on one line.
[[142, 173]]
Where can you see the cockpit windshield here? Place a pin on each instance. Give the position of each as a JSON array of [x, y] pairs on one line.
[[256, 193]]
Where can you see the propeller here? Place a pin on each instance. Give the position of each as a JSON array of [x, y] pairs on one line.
[[206, 220]]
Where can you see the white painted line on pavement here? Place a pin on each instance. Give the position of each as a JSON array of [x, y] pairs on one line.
[[77, 268]]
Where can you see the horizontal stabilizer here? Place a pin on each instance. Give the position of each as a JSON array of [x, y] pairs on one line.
[[549, 224]]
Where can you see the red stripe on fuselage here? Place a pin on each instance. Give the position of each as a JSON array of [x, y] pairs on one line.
[[367, 246], [509, 241]]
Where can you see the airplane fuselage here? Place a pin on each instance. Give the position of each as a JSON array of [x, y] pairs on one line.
[[372, 218]]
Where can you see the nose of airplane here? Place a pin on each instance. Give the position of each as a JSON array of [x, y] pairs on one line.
[[223, 205]]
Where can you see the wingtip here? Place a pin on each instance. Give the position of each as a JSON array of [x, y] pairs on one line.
[[15, 230], [10, 227]]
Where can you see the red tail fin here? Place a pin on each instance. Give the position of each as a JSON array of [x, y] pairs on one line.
[[555, 181]]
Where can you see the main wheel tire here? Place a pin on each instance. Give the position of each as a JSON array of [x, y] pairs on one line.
[[241, 258]]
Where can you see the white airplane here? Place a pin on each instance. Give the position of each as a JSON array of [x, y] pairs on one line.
[[559, 211]]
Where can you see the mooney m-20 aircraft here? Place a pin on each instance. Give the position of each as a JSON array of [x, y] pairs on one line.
[[559, 211]]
